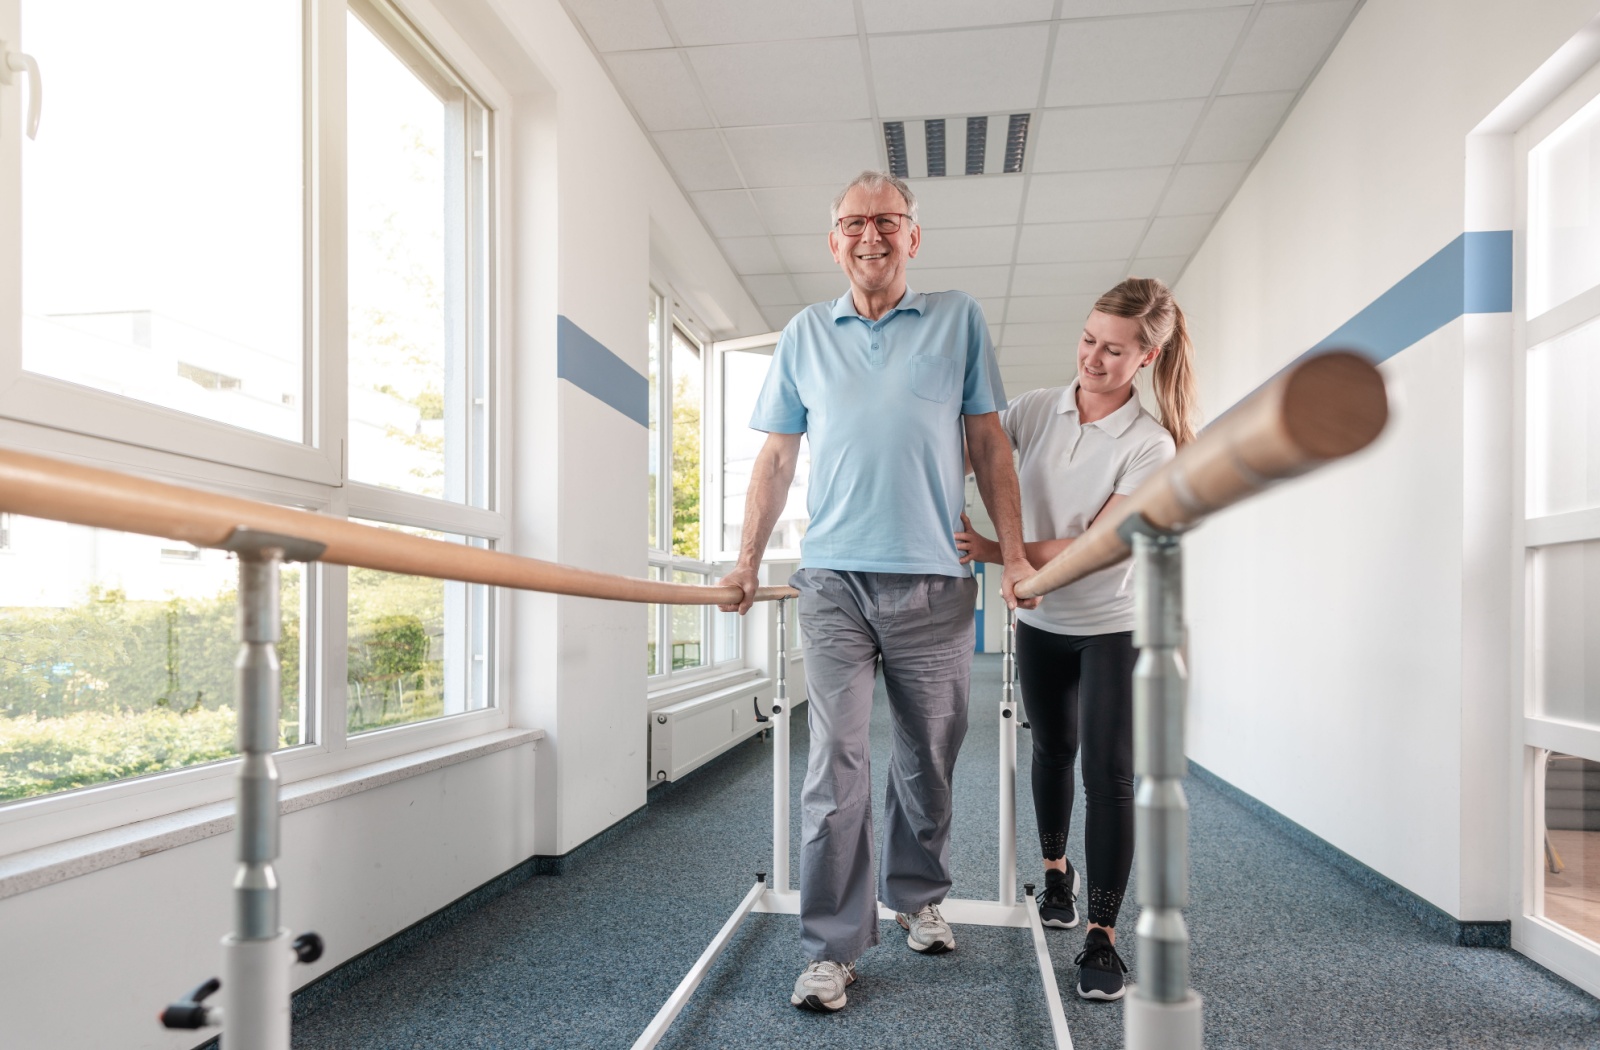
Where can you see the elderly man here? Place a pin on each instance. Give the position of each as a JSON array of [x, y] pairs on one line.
[[886, 382]]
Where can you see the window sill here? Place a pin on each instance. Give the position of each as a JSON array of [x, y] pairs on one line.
[[700, 685], [45, 865]]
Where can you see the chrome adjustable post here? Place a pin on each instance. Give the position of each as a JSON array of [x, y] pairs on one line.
[[1008, 762], [1163, 1012], [780, 754], [257, 955]]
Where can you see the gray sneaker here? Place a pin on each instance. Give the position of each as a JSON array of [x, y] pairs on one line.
[[926, 931], [821, 986]]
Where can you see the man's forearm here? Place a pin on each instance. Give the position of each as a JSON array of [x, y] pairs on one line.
[[997, 484]]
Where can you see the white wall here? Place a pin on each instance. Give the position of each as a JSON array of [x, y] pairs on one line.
[[590, 222], [1349, 634], [589, 202], [104, 952]]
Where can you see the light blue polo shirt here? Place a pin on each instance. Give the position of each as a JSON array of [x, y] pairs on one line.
[[881, 403]]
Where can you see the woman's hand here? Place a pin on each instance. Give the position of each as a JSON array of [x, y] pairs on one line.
[[974, 546]]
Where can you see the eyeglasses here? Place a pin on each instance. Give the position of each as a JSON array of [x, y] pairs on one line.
[[856, 225]]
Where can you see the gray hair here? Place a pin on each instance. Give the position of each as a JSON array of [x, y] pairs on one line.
[[873, 180]]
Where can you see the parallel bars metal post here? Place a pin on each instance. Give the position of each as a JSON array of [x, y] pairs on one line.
[[1008, 763], [780, 755], [1162, 1013]]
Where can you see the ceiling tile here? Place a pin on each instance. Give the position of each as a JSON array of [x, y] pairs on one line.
[[965, 72], [770, 289], [1032, 309], [989, 200], [1286, 44], [1062, 336], [994, 310], [698, 159], [617, 25], [1079, 241], [1142, 135], [821, 287], [1082, 196], [658, 86], [1236, 127], [1097, 8], [1179, 56], [1202, 188], [728, 213], [1167, 268], [1176, 235], [899, 16], [980, 282], [778, 316], [744, 21], [966, 246], [778, 82], [805, 154], [797, 209], [1091, 278], [749, 255], [806, 253]]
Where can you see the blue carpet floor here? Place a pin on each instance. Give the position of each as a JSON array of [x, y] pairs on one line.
[[1287, 951]]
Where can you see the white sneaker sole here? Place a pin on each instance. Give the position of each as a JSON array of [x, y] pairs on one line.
[[1104, 997], [935, 948], [811, 1002]]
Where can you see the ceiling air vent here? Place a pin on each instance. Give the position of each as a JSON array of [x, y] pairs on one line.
[[935, 132], [1016, 142], [933, 148]]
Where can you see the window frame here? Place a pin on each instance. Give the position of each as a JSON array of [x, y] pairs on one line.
[[1536, 734], [107, 430], [670, 315]]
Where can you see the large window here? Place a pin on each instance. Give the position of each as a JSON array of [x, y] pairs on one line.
[[294, 302], [418, 273], [1559, 177], [118, 657], [744, 370], [681, 639], [157, 263]]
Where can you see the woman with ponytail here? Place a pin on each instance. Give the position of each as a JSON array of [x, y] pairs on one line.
[[1084, 448]]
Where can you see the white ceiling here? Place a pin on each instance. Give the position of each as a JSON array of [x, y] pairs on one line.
[[1146, 116]]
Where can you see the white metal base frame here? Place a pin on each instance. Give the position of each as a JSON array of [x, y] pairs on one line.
[[778, 899]]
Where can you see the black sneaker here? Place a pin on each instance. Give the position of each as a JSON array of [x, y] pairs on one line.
[[1058, 904], [1100, 968]]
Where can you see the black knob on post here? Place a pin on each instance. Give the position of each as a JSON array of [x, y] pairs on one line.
[[190, 1011], [1027, 887], [308, 947]]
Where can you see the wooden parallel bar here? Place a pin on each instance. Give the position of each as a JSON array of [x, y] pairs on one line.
[[41, 487], [1318, 410]]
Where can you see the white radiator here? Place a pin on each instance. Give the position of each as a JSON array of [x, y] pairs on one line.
[[690, 733]]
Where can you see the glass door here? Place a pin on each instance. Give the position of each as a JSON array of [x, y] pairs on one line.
[[1558, 336]]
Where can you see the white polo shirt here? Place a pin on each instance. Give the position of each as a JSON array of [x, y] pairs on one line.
[[1068, 471]]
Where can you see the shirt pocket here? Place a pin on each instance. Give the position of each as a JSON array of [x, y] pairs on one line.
[[932, 377]]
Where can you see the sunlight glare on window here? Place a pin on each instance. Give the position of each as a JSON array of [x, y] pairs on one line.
[[415, 249], [162, 239]]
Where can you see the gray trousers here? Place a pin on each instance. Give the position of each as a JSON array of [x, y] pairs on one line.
[[923, 627]]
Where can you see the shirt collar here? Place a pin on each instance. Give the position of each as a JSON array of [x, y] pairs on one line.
[[1115, 424], [845, 306]]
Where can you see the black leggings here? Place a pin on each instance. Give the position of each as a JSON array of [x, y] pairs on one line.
[[1072, 682]]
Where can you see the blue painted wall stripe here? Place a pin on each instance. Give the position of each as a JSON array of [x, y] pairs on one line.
[[583, 360], [1487, 282], [1470, 275]]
